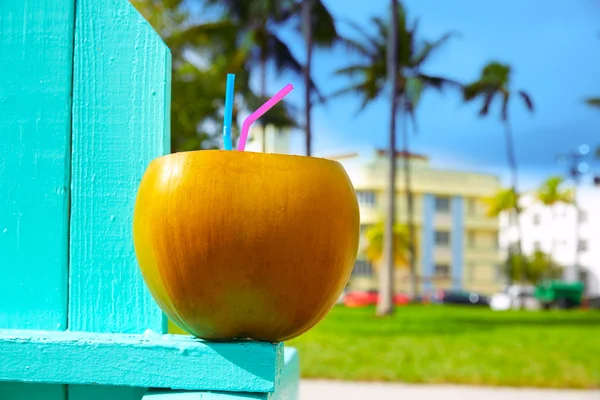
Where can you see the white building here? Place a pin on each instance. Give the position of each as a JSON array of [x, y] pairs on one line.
[[276, 140], [555, 231]]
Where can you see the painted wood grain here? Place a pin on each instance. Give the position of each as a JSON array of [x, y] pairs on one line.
[[288, 389], [36, 49], [149, 360], [121, 99]]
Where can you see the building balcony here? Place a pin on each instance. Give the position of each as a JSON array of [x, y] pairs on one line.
[[480, 221], [483, 253]]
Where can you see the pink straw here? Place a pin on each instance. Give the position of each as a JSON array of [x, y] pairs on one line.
[[260, 112]]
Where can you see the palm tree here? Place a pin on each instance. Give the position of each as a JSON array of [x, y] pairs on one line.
[[375, 238], [370, 76], [550, 194], [319, 29], [507, 201], [493, 83], [385, 303], [256, 23], [198, 88]]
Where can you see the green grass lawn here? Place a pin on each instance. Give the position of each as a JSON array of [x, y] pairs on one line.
[[465, 345]]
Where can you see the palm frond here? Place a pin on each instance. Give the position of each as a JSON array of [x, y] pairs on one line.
[[430, 47], [476, 89], [370, 40], [324, 31], [488, 99], [438, 82], [209, 33], [355, 46], [353, 70], [527, 100], [594, 102], [282, 56], [365, 90]]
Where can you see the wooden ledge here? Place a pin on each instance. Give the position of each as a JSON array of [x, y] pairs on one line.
[[150, 360]]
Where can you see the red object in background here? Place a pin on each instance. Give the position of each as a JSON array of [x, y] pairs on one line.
[[369, 298], [360, 299], [401, 299]]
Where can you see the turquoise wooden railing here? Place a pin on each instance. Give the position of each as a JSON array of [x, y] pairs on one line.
[[84, 106]]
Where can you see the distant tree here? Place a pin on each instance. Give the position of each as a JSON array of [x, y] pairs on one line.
[[495, 82], [507, 201], [531, 269], [550, 194], [374, 248]]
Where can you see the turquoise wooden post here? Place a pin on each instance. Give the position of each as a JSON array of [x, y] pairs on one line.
[[84, 107]]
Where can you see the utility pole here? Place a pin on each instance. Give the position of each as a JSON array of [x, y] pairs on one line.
[[577, 167]]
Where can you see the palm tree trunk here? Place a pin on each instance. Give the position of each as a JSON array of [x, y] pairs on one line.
[[512, 162], [410, 209], [307, 27], [385, 304], [263, 96]]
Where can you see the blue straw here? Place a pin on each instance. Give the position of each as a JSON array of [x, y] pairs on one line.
[[228, 112]]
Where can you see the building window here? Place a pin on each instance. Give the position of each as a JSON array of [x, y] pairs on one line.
[[442, 270], [362, 268], [442, 238], [582, 216], [442, 204], [471, 239], [583, 245], [366, 197], [536, 219], [471, 206], [471, 272]]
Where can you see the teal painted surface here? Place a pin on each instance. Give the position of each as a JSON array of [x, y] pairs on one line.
[[287, 389], [32, 391], [458, 232], [98, 392], [151, 360], [36, 48], [181, 395], [121, 93], [428, 241]]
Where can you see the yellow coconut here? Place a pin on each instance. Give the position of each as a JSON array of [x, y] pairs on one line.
[[239, 245]]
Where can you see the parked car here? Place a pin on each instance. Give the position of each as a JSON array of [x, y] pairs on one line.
[[515, 297], [452, 296], [359, 298]]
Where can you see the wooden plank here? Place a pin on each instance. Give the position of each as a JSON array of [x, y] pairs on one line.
[[36, 49], [180, 395], [150, 360], [31, 391], [121, 103], [286, 390], [98, 392]]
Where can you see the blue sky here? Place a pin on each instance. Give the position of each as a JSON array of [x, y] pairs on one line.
[[553, 47]]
